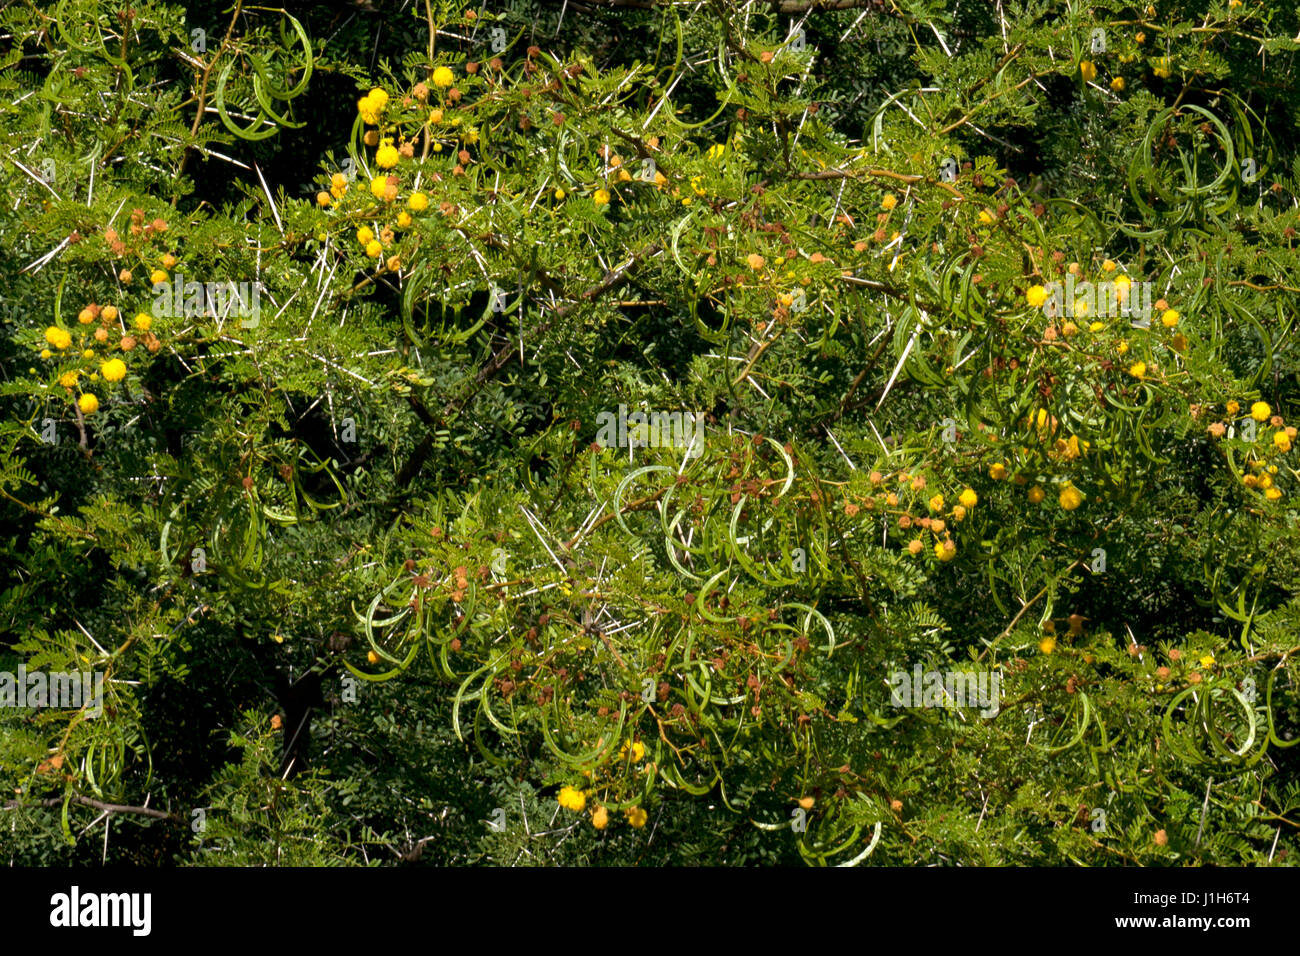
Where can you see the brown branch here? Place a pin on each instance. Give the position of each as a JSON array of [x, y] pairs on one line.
[[97, 805]]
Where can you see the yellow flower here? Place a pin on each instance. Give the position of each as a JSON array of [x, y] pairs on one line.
[[638, 751], [600, 819], [985, 217], [1265, 481], [142, 321], [716, 150], [46, 353], [936, 503], [469, 135], [1108, 265], [601, 197], [968, 498], [369, 111], [1207, 660], [1117, 84], [572, 799], [1121, 285], [1282, 440], [85, 316], [58, 337], [364, 235], [88, 353], [1260, 411], [1096, 326], [386, 156], [435, 116], [1089, 71], [379, 187], [1160, 67], [68, 379], [403, 219], [443, 77], [889, 202], [1170, 318], [1070, 497], [1272, 494], [88, 403], [114, 370], [378, 97], [1121, 347], [1047, 645], [374, 249], [945, 550], [339, 181], [1036, 295], [323, 199], [1138, 369], [418, 202], [636, 816], [997, 471], [559, 193], [958, 512], [755, 261], [1233, 408], [1036, 495], [158, 275]]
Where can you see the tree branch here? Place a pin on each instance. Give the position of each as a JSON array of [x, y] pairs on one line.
[[97, 805]]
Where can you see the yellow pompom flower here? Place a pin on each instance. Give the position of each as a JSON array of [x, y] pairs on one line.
[[601, 197], [1088, 70], [997, 471], [559, 193], [403, 219], [636, 816], [1138, 369], [1117, 84], [572, 798], [387, 156], [1036, 295], [889, 202], [378, 97], [418, 202], [379, 187], [600, 819], [142, 321], [968, 498], [85, 316], [986, 217], [157, 276], [1070, 497], [1096, 326], [114, 370], [1047, 645], [88, 403], [443, 77], [46, 353], [68, 379], [1282, 440], [1036, 495], [1272, 494], [936, 503], [1170, 318], [1260, 411], [364, 235], [374, 249], [58, 337], [1233, 407], [945, 550]]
